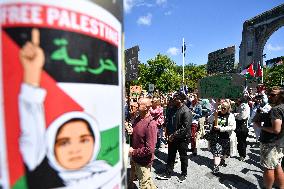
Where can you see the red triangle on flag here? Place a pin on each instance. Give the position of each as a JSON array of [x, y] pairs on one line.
[[250, 70], [56, 103]]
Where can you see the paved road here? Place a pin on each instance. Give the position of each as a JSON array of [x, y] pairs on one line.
[[238, 174]]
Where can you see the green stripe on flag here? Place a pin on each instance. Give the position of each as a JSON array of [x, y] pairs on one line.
[[110, 146], [21, 183]]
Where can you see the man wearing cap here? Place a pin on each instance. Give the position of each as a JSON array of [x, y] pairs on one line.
[[179, 137]]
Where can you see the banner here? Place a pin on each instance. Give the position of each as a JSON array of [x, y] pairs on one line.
[[221, 61], [60, 74], [151, 87], [135, 91], [131, 61], [222, 86]]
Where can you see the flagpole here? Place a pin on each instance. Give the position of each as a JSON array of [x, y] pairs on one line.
[[261, 75], [183, 61]]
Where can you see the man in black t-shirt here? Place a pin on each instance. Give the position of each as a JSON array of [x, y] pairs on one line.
[[272, 140]]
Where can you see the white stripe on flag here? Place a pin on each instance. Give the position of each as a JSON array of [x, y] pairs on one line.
[[244, 72]]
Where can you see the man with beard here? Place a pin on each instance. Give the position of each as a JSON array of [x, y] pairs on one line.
[[272, 140], [179, 138]]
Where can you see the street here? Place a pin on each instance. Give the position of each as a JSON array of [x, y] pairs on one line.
[[237, 174]]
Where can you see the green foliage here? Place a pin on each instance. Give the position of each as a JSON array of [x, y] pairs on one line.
[[159, 71], [166, 75], [272, 76], [192, 74]]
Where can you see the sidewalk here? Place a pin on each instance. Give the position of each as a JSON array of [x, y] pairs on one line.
[[238, 174]]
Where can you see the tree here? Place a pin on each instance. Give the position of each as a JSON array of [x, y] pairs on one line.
[[166, 75], [272, 76], [192, 75], [159, 71]]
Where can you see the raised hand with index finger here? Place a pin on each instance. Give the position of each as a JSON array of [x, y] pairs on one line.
[[32, 59]]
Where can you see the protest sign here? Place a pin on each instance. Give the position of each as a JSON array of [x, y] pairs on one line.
[[151, 87], [221, 86], [131, 63], [60, 66], [135, 91]]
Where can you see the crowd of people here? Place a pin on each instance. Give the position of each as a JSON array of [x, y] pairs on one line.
[[177, 121]]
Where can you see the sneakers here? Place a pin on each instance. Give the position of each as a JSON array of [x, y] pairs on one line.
[[242, 159], [216, 169], [193, 151], [223, 163], [182, 178], [190, 150], [164, 176]]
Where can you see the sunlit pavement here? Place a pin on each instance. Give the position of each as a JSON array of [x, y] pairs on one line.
[[237, 174]]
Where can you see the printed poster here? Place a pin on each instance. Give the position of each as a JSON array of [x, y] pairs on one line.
[[61, 118]]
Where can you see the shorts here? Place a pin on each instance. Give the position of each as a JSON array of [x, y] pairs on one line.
[[270, 155]]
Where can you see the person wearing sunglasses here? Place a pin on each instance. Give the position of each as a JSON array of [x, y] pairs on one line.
[[272, 139], [223, 142]]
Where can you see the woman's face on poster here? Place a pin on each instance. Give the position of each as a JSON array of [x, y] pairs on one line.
[[74, 145]]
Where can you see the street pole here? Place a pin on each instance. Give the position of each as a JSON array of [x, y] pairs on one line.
[[281, 83]]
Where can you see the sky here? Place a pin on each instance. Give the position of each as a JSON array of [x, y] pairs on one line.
[[159, 26]]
